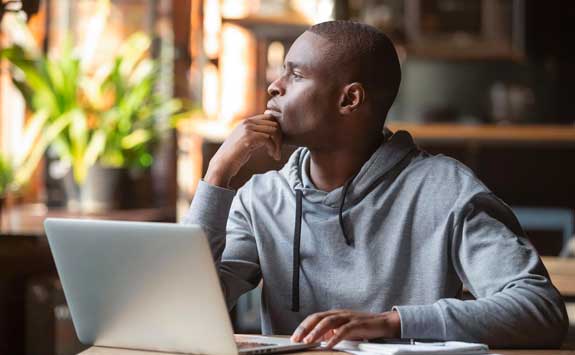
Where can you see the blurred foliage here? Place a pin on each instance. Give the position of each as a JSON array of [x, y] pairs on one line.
[[111, 116], [6, 175]]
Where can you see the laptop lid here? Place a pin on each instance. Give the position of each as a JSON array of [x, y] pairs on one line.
[[139, 285]]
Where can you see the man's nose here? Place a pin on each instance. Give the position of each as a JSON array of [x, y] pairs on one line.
[[276, 88]]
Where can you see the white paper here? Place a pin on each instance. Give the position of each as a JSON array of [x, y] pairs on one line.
[[440, 348]]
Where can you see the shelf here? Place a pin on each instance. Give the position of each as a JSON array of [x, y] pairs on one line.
[[217, 131], [464, 54], [293, 19], [459, 133]]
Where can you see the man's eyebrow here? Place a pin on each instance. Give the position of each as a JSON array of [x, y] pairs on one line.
[[292, 65]]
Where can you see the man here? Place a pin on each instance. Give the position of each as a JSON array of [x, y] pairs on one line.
[[361, 234]]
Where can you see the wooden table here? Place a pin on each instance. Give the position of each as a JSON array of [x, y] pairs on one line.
[[562, 273], [111, 351], [27, 220]]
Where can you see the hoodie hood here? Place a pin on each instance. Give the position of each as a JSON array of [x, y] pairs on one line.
[[394, 149]]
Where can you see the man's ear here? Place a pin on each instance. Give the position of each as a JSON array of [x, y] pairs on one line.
[[352, 98]]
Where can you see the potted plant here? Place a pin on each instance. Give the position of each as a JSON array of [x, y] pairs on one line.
[[99, 123], [129, 117]]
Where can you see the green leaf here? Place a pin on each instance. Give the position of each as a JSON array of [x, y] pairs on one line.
[[113, 158], [6, 174], [78, 134], [132, 51], [24, 171], [138, 137], [95, 148], [32, 133], [26, 92], [33, 74], [61, 146], [136, 98], [145, 70], [146, 160]]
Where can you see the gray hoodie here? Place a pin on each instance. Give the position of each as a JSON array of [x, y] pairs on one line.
[[407, 232]]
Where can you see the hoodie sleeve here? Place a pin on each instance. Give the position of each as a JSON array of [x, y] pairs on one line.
[[225, 219], [516, 305]]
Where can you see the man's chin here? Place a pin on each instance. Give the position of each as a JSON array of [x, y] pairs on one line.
[[297, 138]]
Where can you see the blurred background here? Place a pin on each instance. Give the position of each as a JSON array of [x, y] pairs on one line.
[[112, 110]]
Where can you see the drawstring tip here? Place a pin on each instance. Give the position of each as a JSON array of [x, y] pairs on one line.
[[348, 240]]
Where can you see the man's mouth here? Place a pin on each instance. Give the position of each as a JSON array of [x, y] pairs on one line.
[[273, 112]]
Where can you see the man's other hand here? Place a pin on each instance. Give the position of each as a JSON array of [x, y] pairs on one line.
[[260, 131], [337, 325]]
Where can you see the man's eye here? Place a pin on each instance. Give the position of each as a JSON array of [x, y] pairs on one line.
[[296, 76]]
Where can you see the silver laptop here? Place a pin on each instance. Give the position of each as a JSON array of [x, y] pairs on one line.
[[148, 286]]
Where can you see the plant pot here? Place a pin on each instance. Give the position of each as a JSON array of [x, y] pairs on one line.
[[138, 189], [100, 192]]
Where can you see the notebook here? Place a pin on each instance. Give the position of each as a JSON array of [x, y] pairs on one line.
[[437, 348]]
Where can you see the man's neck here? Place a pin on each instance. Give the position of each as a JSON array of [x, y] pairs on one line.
[[330, 169]]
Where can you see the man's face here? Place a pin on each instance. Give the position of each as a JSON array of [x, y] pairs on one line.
[[305, 98]]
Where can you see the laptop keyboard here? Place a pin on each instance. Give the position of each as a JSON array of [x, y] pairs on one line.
[[242, 345]]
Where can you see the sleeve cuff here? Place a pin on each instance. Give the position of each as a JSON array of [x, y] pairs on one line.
[[210, 206], [421, 322]]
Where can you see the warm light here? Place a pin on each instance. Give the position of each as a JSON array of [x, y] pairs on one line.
[[13, 25], [325, 10], [189, 165], [314, 11], [212, 27], [276, 53], [97, 36], [12, 105], [238, 72], [210, 91], [239, 8], [92, 33]]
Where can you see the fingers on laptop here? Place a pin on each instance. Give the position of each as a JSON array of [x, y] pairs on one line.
[[335, 326]]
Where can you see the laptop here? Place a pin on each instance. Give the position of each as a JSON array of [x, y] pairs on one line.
[[147, 286]]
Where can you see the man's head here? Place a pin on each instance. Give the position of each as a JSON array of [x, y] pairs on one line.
[[339, 78]]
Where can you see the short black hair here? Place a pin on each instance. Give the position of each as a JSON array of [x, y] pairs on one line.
[[377, 65]]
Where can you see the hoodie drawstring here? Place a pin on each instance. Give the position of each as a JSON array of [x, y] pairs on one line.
[[297, 239], [348, 241], [296, 253]]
